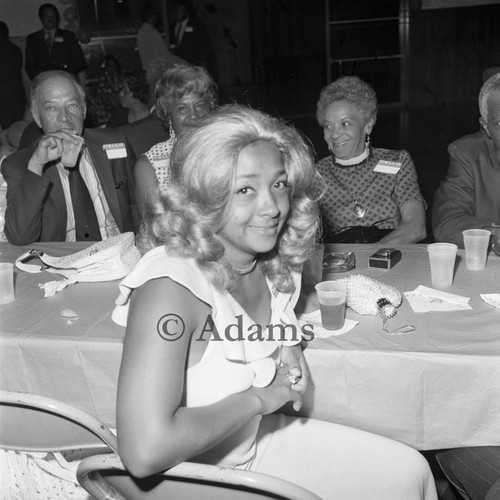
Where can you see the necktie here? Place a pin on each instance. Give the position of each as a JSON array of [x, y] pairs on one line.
[[178, 29], [48, 41], [86, 224]]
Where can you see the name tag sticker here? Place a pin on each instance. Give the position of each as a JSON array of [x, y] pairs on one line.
[[189, 29], [59, 39], [388, 167], [114, 151]]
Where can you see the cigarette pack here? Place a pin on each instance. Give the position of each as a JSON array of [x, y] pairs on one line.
[[385, 258]]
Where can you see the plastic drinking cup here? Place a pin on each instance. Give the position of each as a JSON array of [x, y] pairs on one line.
[[476, 243], [313, 268], [71, 152], [331, 298], [442, 261], [6, 282]]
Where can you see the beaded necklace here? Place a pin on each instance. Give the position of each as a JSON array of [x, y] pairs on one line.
[[342, 165]]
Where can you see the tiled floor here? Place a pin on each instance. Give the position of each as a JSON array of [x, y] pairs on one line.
[[424, 132]]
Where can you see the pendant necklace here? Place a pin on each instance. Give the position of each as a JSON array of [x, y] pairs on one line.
[[245, 270], [358, 209]]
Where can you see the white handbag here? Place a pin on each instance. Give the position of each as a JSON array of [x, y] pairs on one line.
[[106, 260]]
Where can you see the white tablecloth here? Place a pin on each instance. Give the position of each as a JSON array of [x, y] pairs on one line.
[[438, 387], [43, 352]]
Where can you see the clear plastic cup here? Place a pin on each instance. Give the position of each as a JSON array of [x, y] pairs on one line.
[[331, 298], [71, 151], [476, 243], [442, 261], [6, 282]]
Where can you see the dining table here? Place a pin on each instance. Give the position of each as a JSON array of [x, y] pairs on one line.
[[433, 388]]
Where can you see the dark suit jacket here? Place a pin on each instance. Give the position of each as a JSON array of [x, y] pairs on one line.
[[145, 133], [12, 98], [66, 53], [31, 133], [469, 196], [195, 45], [36, 208]]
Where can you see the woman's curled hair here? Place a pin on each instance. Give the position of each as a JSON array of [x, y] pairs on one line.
[[351, 89], [181, 80], [189, 218]]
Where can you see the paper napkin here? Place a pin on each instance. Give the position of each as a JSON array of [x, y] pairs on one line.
[[314, 318], [424, 299], [52, 287], [493, 299]]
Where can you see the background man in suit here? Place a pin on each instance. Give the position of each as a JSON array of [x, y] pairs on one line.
[[191, 39], [48, 199], [469, 198], [52, 47]]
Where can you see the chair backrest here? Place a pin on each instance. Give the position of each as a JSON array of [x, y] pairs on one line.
[[105, 478], [29, 422]]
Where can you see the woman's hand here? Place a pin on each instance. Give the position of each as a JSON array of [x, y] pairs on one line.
[[298, 371], [278, 393], [412, 226]]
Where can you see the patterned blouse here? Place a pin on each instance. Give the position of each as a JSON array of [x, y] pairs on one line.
[[379, 193], [159, 157]]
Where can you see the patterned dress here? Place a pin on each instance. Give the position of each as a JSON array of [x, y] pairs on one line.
[[380, 194], [159, 157]]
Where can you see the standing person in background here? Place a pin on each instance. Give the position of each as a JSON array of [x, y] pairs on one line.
[[152, 46], [12, 98], [52, 47], [191, 38]]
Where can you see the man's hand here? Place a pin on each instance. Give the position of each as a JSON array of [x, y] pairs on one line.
[[50, 147]]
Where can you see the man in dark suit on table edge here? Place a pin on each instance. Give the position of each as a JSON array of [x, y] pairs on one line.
[[52, 47], [51, 199]]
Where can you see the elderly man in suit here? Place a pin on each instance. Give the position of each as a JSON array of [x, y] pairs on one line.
[[52, 47], [51, 199], [468, 198]]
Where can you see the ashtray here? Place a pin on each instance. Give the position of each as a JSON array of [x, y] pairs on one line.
[[338, 262]]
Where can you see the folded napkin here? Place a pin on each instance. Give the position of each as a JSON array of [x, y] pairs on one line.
[[52, 287], [424, 299], [314, 318], [493, 299]]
